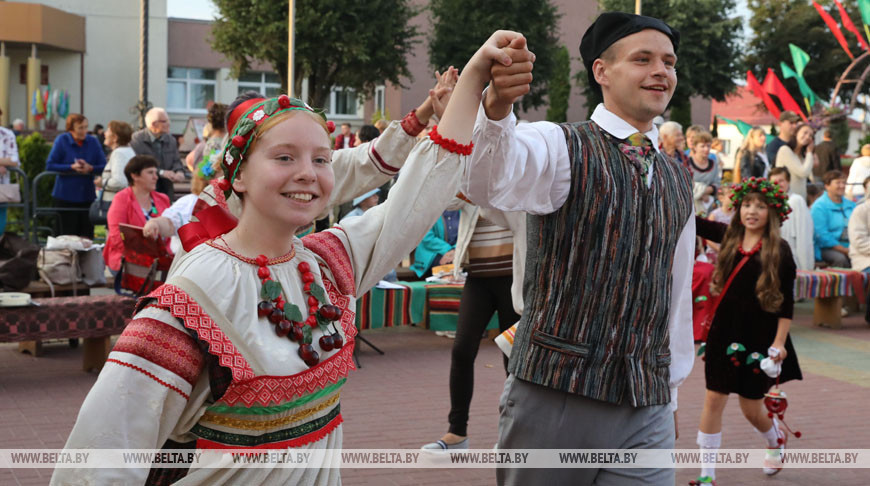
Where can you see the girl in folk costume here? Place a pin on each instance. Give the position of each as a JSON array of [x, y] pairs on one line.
[[250, 340], [753, 285]]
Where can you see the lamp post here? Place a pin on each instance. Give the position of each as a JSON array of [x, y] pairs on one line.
[[290, 64]]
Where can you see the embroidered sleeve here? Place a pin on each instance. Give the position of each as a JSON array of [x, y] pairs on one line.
[[377, 241], [138, 399], [330, 248]]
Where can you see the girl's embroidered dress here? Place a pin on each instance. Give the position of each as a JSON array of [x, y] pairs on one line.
[[197, 366], [740, 319]]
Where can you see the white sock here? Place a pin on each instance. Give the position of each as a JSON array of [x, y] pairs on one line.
[[709, 443], [772, 435]]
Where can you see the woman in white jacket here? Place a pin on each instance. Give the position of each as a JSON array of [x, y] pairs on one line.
[[799, 158]]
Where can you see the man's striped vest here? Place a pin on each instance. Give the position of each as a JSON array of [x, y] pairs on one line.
[[598, 276]]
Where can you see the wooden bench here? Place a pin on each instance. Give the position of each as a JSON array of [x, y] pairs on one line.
[[830, 288], [94, 318]]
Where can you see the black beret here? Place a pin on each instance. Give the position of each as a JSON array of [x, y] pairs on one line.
[[609, 27]]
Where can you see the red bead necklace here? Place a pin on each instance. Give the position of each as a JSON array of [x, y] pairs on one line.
[[288, 318], [753, 251]]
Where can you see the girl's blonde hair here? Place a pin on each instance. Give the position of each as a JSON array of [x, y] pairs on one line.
[[745, 147], [767, 289]]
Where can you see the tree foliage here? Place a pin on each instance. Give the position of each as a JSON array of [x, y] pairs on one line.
[[357, 45], [777, 23], [461, 26], [560, 87], [709, 53]]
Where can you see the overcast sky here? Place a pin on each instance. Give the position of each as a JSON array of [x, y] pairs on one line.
[[191, 9]]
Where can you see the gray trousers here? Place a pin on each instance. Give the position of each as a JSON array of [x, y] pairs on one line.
[[537, 417]]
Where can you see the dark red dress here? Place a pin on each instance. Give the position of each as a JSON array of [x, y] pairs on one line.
[[740, 319]]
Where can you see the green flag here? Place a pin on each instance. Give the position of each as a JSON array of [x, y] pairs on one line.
[[806, 92], [741, 125], [800, 58], [864, 6]]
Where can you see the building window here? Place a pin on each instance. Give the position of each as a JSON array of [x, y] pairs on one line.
[[190, 89], [343, 102], [268, 84], [380, 99]]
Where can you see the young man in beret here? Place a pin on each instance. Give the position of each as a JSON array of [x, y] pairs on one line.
[[606, 332]]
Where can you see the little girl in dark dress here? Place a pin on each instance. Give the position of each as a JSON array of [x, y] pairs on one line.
[[754, 285]]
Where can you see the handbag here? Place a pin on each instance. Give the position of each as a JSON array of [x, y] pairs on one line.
[[99, 210], [59, 267], [10, 193], [17, 262]]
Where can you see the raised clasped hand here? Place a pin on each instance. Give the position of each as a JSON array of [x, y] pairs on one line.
[[509, 81], [440, 94]]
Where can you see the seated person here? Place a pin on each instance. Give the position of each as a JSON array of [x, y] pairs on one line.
[[437, 247], [831, 214], [363, 203], [134, 205], [859, 234], [178, 215]]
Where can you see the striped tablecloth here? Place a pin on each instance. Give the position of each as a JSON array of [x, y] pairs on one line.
[[830, 282], [381, 308], [86, 316]]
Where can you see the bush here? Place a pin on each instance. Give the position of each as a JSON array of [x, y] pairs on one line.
[[33, 151], [559, 90]]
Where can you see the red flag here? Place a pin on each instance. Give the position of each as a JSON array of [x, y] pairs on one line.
[[835, 29], [774, 86], [847, 23], [758, 91]]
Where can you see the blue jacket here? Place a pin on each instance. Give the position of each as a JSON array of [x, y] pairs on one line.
[[74, 187], [829, 221], [433, 245]]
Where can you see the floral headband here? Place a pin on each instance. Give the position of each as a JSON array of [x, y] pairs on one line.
[[774, 196], [242, 123]]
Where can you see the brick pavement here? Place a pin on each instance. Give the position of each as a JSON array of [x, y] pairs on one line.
[[400, 400]]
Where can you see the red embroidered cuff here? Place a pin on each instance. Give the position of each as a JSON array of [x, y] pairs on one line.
[[411, 124], [449, 144]]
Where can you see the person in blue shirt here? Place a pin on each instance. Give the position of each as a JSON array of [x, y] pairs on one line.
[[831, 213], [78, 157], [437, 247]]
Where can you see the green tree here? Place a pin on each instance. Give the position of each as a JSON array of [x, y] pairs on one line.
[[459, 27], [776, 23], [709, 53], [356, 45], [560, 87]]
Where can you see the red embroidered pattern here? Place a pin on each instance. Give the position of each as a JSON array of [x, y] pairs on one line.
[[329, 247], [253, 261], [264, 390], [297, 442], [180, 305], [379, 163], [149, 375], [268, 390], [218, 195], [163, 345]]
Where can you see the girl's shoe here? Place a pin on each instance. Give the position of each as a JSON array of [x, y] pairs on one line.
[[441, 446], [773, 457], [703, 481]]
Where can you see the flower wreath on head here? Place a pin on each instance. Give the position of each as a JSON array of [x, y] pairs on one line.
[[774, 196], [242, 122]]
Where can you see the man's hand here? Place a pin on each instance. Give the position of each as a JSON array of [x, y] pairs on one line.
[[509, 83], [447, 258], [176, 176]]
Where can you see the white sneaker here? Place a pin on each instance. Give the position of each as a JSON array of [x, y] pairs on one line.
[[441, 446], [773, 456]]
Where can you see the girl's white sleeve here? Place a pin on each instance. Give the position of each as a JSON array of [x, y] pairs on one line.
[[140, 396], [378, 240]]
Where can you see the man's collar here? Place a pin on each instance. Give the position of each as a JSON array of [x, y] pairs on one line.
[[153, 136], [620, 128]]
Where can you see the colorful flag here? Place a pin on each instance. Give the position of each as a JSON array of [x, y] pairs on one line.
[[774, 86], [835, 29], [847, 23], [758, 91], [864, 6], [799, 57], [741, 125], [806, 92]]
